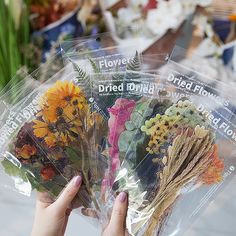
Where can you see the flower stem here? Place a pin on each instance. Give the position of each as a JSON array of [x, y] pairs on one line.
[[86, 180]]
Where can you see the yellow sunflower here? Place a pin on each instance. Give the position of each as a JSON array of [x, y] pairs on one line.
[[46, 130], [62, 93], [58, 133], [64, 116], [63, 99]]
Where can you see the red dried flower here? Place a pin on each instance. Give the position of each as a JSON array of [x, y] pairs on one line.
[[48, 172]]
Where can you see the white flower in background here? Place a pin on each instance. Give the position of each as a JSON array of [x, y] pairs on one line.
[[127, 15], [188, 7], [168, 15], [137, 3], [157, 21], [175, 13]]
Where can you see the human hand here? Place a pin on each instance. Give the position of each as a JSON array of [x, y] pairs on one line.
[[51, 217], [116, 226]]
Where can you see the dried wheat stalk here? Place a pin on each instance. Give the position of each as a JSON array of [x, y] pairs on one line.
[[187, 159]]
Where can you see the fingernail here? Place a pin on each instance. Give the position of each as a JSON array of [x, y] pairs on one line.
[[122, 197], [77, 181]]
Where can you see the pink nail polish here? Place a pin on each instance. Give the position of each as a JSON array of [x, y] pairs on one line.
[[122, 197], [77, 181]]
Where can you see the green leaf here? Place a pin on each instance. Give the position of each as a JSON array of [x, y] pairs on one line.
[[83, 79], [13, 41], [129, 125], [13, 170], [134, 64], [96, 69], [125, 139], [34, 183], [53, 187], [78, 159], [118, 77], [74, 157], [82, 75]]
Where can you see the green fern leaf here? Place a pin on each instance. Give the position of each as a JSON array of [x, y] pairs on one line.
[[94, 66], [133, 67], [134, 64], [82, 79], [82, 75], [117, 77]]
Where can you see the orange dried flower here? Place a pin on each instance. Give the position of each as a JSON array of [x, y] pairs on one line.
[[26, 152], [48, 172], [214, 173]]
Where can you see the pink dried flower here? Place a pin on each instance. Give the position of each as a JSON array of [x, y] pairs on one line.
[[119, 113]]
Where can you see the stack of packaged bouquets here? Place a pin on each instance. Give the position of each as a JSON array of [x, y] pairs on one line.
[[166, 136]]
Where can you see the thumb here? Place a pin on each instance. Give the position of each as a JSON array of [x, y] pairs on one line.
[[67, 195], [119, 212]]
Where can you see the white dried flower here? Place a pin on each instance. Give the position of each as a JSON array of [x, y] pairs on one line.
[[200, 132], [127, 15]]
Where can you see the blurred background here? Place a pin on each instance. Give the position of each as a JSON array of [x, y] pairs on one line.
[[31, 32]]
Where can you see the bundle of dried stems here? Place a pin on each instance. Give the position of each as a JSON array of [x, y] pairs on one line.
[[187, 159]]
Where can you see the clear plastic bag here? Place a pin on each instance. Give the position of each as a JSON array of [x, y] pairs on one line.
[[152, 63], [30, 133], [112, 98], [115, 96], [17, 148], [88, 43], [102, 101], [17, 89], [149, 176], [13, 97], [190, 68], [102, 60], [216, 99], [166, 137], [105, 50]]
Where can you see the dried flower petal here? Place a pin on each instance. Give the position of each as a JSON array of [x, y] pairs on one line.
[[164, 160], [26, 152], [200, 132]]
